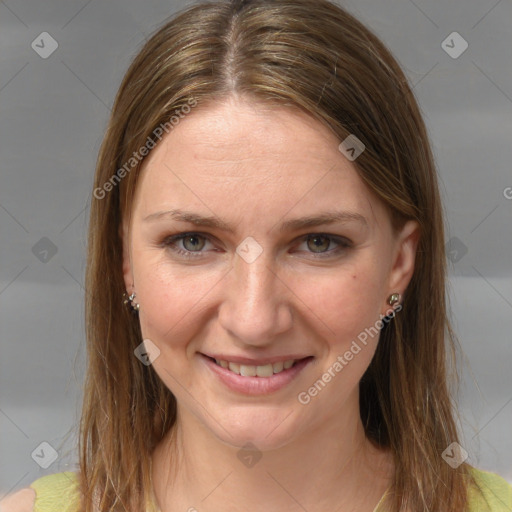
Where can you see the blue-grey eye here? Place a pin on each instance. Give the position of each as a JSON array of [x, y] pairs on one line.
[[319, 242], [190, 242]]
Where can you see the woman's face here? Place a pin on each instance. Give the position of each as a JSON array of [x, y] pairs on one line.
[[257, 282]]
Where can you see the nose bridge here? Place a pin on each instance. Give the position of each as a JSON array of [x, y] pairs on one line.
[[255, 307]]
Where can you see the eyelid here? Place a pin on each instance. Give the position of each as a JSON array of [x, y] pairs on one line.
[[343, 243], [169, 241]]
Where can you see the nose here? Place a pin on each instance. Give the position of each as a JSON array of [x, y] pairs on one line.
[[256, 306]]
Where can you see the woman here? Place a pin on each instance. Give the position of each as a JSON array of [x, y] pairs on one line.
[[266, 217]]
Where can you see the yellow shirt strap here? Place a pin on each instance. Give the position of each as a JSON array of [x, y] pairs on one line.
[[494, 493], [57, 493]]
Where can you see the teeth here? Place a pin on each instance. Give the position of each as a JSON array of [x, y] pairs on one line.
[[266, 370], [248, 371], [234, 367], [278, 367]]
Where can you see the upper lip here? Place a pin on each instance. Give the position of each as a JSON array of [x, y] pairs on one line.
[[255, 362]]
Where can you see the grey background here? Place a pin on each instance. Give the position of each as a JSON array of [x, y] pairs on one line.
[[53, 115]]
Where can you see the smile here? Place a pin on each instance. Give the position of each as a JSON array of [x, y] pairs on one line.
[[256, 379], [266, 370]]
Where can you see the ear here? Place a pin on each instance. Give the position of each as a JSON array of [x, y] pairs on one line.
[[124, 233], [404, 258]]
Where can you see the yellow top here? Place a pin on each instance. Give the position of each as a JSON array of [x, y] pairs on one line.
[[59, 493]]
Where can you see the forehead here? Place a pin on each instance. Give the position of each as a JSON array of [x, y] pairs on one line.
[[239, 155]]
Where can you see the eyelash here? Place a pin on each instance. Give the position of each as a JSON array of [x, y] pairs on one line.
[[171, 240]]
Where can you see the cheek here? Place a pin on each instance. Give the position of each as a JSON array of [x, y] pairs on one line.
[[172, 313], [171, 298], [345, 302]]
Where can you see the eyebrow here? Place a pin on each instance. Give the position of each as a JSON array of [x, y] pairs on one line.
[[329, 217]]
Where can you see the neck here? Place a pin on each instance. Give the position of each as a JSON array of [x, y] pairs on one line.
[[332, 468]]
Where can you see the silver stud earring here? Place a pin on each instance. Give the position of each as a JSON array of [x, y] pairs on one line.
[[394, 298], [130, 300]]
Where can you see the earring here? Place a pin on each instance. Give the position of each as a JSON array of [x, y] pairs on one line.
[[394, 298], [130, 300]]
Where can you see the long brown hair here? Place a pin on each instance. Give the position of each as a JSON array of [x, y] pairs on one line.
[[303, 54]]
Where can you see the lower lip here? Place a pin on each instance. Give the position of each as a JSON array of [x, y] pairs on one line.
[[256, 385]]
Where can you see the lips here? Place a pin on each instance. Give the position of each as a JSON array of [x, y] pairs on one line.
[[247, 383], [251, 367]]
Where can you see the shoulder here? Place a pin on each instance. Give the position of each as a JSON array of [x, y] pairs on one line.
[[491, 493], [20, 501], [51, 493]]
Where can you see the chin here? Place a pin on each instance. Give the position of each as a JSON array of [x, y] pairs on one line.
[[264, 427]]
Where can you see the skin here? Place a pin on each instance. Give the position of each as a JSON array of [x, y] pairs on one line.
[[20, 501], [255, 167]]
